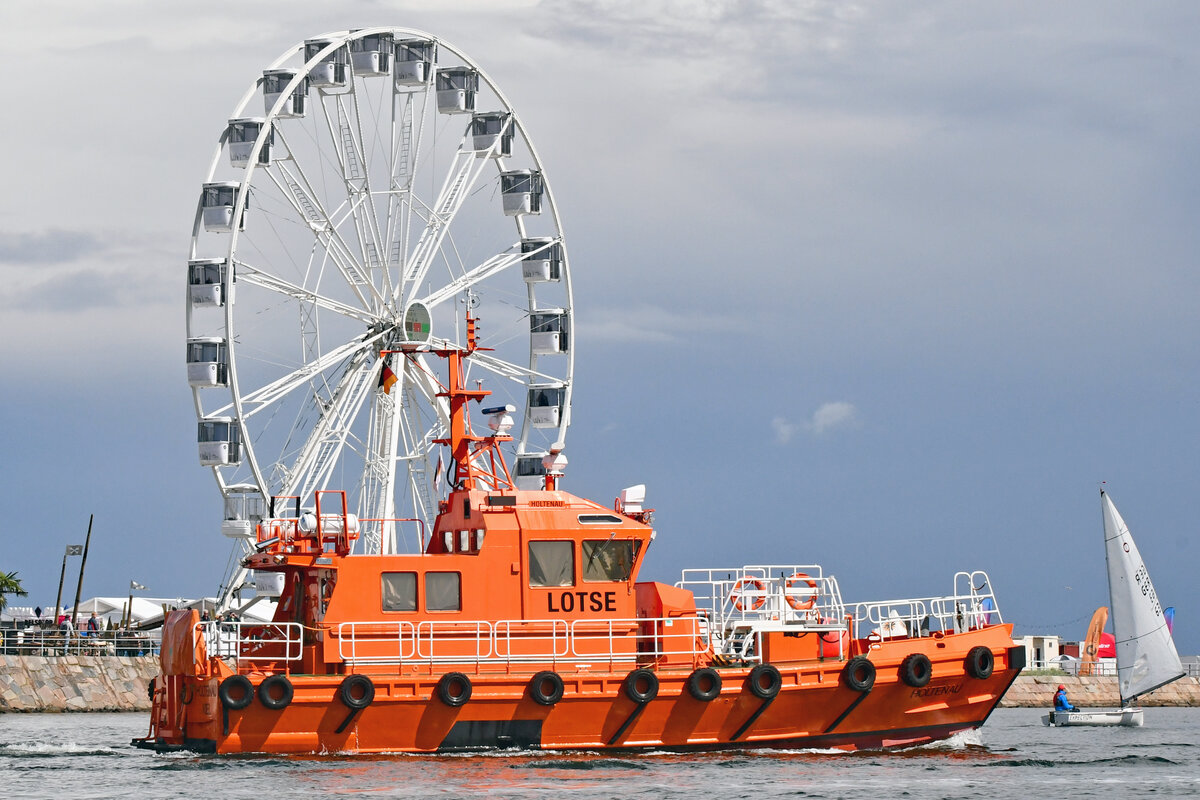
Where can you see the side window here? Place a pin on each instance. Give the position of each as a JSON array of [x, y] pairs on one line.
[[608, 559], [399, 591], [443, 591], [551, 564]]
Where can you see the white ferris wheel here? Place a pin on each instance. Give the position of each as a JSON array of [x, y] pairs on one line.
[[368, 188]]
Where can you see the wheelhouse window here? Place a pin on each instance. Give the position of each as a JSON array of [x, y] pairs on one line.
[[551, 564], [399, 591], [608, 559], [443, 591]]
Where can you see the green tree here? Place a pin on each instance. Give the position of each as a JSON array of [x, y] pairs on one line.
[[9, 584]]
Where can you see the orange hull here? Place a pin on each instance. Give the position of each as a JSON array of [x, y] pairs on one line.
[[814, 707]]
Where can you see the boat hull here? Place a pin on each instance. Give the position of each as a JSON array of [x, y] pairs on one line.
[[813, 708], [1125, 717]]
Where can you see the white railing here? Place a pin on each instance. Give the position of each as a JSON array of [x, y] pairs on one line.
[[795, 594], [521, 641], [970, 607], [52, 642], [252, 641]]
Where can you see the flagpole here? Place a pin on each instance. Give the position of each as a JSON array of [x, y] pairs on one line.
[[61, 577], [79, 586]]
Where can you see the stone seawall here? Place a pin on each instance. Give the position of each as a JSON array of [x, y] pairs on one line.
[[76, 683], [1037, 691]]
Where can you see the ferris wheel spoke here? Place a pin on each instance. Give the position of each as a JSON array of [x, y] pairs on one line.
[[494, 265], [510, 371], [262, 278], [459, 182], [321, 450], [296, 189], [255, 401]]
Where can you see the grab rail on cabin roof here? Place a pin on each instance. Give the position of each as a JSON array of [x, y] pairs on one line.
[[591, 641]]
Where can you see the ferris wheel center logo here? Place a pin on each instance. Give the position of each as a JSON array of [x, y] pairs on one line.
[[417, 323]]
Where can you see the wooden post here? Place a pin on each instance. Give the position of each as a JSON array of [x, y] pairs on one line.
[[79, 586]]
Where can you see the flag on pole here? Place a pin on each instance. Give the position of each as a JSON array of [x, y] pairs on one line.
[[135, 586], [74, 549], [387, 379]]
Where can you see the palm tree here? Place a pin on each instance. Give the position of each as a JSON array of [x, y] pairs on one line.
[[9, 584]]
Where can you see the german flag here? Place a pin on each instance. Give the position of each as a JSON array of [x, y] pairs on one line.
[[387, 379]]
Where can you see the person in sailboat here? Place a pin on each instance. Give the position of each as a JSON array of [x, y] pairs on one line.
[[1061, 703]]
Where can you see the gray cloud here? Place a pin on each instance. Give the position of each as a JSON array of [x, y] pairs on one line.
[[53, 246]]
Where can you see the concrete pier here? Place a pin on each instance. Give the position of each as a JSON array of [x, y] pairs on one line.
[[76, 683]]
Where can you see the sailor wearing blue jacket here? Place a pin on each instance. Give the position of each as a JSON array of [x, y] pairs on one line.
[[1061, 703]]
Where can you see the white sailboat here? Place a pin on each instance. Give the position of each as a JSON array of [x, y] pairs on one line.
[[1146, 655]]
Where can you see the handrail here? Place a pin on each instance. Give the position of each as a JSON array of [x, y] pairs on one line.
[[626, 640]]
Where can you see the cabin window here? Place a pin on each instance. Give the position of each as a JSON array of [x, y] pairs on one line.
[[399, 591], [599, 519], [443, 591], [608, 559], [551, 564]]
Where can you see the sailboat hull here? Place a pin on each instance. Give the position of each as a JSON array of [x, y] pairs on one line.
[[1125, 717]]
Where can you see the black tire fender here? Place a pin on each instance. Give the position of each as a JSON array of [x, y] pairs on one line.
[[980, 663], [272, 685], [356, 691], [454, 689], [546, 688], [764, 681], [704, 684], [859, 674], [633, 686], [916, 670], [235, 692]]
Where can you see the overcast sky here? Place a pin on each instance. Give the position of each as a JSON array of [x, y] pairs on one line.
[[891, 287]]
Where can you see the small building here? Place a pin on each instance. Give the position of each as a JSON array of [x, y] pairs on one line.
[[1040, 651]]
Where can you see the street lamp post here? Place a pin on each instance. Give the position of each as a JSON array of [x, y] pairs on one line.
[[72, 550]]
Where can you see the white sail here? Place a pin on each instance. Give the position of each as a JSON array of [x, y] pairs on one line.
[[1146, 655]]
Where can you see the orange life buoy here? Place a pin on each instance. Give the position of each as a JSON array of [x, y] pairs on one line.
[[748, 594], [804, 600]]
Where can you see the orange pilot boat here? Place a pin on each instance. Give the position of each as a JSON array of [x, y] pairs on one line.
[[522, 624]]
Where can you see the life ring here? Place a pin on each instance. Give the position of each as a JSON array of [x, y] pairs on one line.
[[267, 690], [538, 688], [916, 670], [860, 674], [980, 663], [746, 600], [704, 684], [633, 686], [767, 690], [356, 691], [235, 692], [454, 689], [804, 600]]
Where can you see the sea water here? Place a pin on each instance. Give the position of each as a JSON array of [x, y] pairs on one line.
[[79, 756]]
